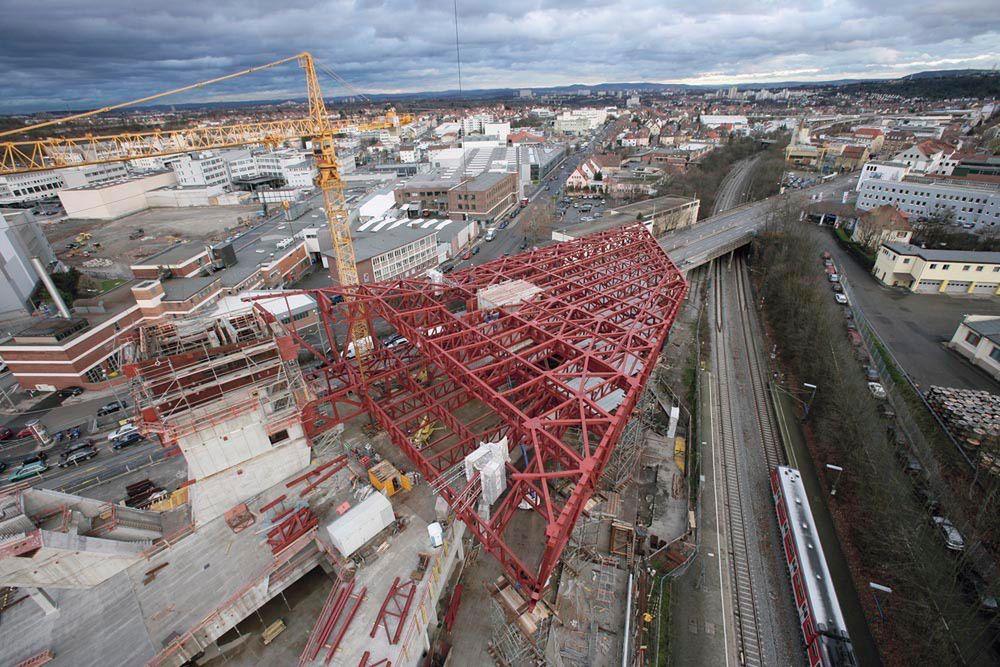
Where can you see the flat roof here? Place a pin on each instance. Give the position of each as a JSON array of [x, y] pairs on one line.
[[485, 181], [648, 206], [182, 289], [933, 255], [179, 253]]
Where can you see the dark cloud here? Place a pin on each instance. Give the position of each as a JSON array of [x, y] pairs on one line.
[[59, 54]]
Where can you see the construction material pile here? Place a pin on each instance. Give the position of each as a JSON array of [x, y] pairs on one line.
[[972, 417]]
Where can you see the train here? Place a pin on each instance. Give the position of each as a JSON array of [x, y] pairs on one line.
[[827, 641]]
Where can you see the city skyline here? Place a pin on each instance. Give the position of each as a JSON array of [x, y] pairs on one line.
[[116, 51]]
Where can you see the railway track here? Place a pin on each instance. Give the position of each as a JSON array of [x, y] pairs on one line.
[[758, 380], [744, 598]]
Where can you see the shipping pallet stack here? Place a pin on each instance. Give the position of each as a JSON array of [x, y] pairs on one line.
[[973, 419]]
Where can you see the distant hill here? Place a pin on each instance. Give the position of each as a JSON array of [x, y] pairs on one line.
[[943, 73], [940, 85]]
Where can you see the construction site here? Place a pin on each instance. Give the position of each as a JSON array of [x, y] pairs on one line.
[[507, 429], [463, 468]]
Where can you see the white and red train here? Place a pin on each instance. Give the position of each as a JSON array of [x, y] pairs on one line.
[[820, 618]]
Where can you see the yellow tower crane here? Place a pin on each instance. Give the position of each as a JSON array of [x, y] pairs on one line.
[[28, 155]]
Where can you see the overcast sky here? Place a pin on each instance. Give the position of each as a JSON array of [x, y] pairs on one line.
[[59, 54]]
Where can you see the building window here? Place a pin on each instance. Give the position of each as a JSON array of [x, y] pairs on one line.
[[995, 353], [933, 266], [972, 338], [946, 267], [965, 268], [95, 374], [979, 268]]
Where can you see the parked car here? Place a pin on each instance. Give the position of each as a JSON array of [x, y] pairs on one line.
[[855, 338], [78, 456], [827, 262], [111, 408], [467, 254], [911, 464], [475, 250], [840, 298], [952, 538], [6, 433], [26, 470], [447, 268], [877, 390], [3, 466], [69, 391], [122, 431], [871, 373], [851, 326], [976, 588], [837, 287], [833, 277], [127, 440], [25, 432]]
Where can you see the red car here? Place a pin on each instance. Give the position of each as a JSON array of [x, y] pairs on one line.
[[467, 255], [6, 433], [25, 432]]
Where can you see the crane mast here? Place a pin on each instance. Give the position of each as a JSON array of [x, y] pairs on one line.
[[27, 155]]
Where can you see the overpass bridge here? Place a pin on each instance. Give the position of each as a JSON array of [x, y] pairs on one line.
[[720, 234]]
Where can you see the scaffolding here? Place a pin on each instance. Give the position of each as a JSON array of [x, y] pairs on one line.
[[624, 461], [509, 647], [192, 375]]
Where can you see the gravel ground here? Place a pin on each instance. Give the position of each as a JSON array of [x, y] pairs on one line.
[[162, 227]]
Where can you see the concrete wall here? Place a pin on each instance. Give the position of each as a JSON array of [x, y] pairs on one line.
[[112, 201], [977, 353]]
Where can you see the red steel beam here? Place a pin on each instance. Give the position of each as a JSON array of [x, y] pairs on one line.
[[559, 374], [395, 606]]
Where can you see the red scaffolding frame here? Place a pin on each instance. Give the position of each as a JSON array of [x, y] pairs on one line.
[[558, 372]]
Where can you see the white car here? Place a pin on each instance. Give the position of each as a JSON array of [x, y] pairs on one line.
[[877, 390], [952, 538], [127, 429], [840, 298]]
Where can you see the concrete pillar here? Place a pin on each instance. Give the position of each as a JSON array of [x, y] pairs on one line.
[[944, 285], [43, 600]]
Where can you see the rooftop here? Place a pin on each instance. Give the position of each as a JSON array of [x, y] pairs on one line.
[[932, 255], [987, 327], [176, 254]]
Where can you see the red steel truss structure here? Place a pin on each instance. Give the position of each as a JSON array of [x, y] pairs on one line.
[[557, 371]]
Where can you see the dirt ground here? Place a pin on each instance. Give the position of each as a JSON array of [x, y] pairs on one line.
[[162, 227]]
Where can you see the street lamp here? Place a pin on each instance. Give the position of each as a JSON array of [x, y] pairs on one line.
[[839, 471], [812, 395], [876, 589]]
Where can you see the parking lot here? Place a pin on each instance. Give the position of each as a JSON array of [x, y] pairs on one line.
[[915, 326]]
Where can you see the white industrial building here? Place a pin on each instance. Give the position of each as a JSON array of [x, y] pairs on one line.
[[38, 185], [580, 121], [712, 121], [973, 204], [20, 239], [108, 201], [206, 168]]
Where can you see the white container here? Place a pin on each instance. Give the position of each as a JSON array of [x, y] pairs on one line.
[[436, 533], [361, 523]]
